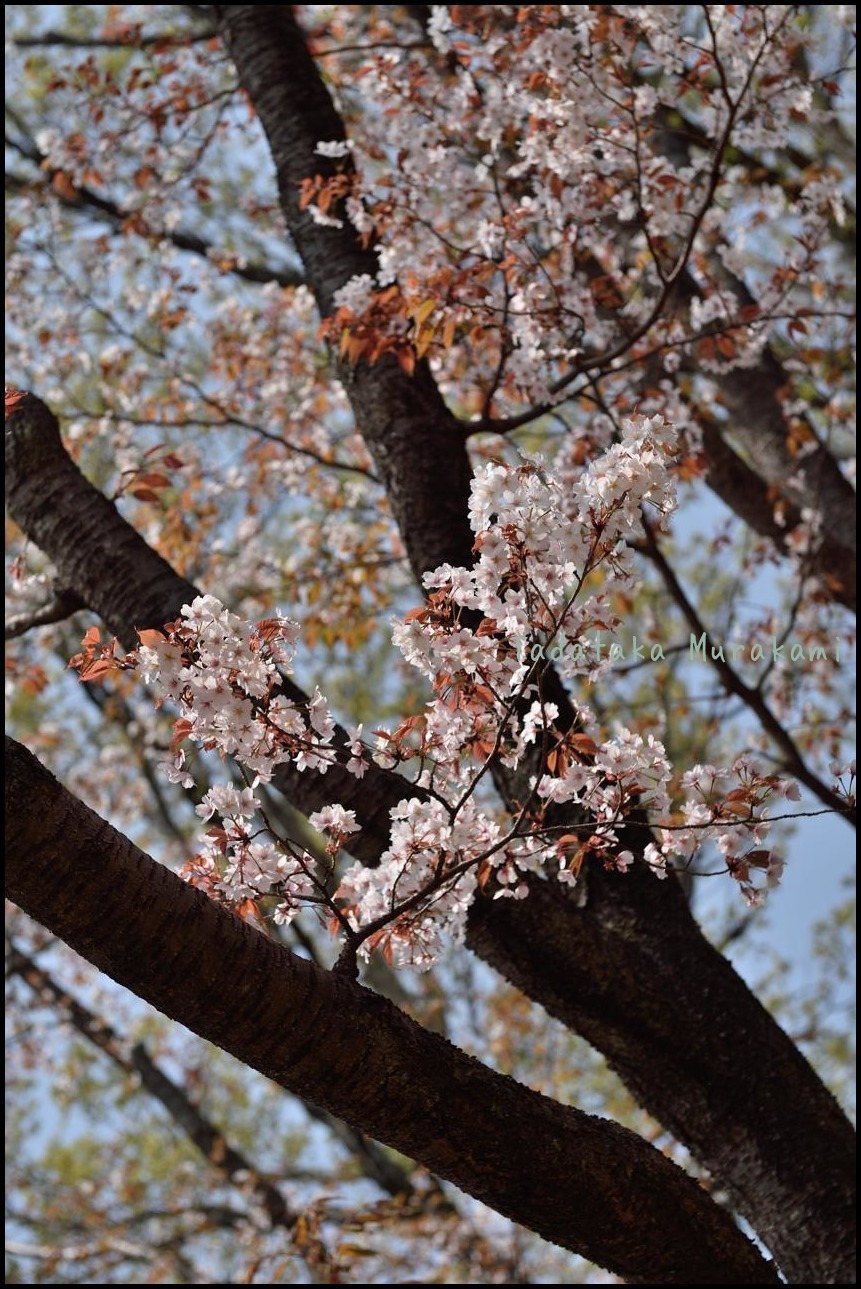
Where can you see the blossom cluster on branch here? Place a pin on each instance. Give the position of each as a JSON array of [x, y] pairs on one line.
[[583, 196], [538, 541]]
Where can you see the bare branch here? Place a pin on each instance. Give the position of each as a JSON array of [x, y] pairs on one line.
[[89, 202], [135, 40], [733, 684]]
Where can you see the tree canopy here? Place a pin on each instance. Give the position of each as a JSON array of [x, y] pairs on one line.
[[431, 563]]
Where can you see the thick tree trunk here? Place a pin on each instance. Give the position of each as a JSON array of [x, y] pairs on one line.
[[629, 969], [582, 1182]]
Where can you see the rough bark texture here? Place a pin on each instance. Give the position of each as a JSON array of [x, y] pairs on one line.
[[751, 482], [759, 427], [749, 496], [417, 444], [109, 565], [598, 1189], [634, 976]]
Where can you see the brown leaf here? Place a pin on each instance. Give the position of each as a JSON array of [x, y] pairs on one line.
[[63, 186], [151, 638], [583, 743], [99, 668]]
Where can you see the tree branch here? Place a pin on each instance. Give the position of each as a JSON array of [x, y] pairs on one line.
[[61, 605], [89, 202], [749, 496], [296, 113], [752, 397], [162, 40], [792, 759], [134, 588]]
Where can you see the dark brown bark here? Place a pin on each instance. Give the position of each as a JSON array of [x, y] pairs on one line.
[[750, 484], [758, 425], [596, 1188], [766, 1128], [557, 962], [632, 973], [107, 565], [417, 444], [751, 498]]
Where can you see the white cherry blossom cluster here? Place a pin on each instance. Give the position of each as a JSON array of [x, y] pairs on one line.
[[538, 537], [481, 640], [573, 169], [224, 674]]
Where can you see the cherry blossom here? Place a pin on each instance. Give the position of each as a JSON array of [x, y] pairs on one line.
[[482, 642]]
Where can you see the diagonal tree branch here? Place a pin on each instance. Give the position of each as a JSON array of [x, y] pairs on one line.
[[748, 495], [297, 112], [588, 966], [60, 606], [600, 1191], [732, 682], [135, 40], [757, 423], [107, 565]]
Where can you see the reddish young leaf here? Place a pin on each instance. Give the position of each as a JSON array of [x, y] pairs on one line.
[[151, 637]]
